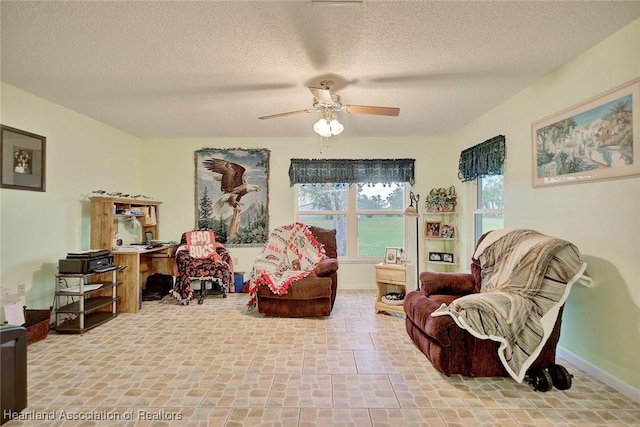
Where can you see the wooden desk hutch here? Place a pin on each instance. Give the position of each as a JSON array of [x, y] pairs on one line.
[[105, 214]]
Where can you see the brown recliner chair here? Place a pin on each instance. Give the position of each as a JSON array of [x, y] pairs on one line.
[[453, 350], [312, 296]]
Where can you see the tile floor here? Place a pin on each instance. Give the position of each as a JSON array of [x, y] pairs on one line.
[[218, 365]]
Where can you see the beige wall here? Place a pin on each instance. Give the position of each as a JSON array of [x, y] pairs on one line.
[[39, 228], [600, 324], [435, 166]]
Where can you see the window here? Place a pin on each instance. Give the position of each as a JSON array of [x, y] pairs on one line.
[[358, 198], [489, 214], [368, 217], [484, 164]]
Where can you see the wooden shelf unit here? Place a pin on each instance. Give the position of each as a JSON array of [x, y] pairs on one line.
[[442, 244], [106, 211]]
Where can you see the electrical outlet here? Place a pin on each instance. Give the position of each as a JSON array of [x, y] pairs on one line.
[[235, 261], [21, 290], [5, 292]]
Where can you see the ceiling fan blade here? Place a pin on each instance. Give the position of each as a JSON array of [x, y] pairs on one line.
[[290, 113], [322, 95], [368, 109]]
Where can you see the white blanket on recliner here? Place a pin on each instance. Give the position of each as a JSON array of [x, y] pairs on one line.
[[526, 278]]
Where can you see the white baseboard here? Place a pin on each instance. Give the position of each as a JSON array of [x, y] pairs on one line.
[[357, 286], [600, 374]]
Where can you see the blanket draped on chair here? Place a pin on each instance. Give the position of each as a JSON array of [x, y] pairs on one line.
[[526, 278], [199, 258], [291, 253]]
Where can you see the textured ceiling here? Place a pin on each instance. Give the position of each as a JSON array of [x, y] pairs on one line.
[[211, 68]]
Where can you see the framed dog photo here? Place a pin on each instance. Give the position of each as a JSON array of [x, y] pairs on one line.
[[447, 257], [435, 256], [447, 231]]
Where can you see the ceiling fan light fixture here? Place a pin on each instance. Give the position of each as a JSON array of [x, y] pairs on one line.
[[329, 104], [328, 128], [336, 127], [322, 128]]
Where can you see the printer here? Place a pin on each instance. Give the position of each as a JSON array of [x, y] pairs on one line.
[[87, 262]]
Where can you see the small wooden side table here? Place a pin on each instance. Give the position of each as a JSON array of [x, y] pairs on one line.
[[391, 278]]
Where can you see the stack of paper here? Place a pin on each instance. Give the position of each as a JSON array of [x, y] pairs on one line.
[[76, 289], [14, 314], [131, 248]]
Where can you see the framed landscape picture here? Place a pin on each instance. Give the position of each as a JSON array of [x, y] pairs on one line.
[[595, 140]]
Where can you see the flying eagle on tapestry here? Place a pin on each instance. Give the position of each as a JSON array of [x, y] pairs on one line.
[[232, 194], [233, 184]]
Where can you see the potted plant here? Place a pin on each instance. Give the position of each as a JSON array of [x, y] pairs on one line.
[[441, 200]]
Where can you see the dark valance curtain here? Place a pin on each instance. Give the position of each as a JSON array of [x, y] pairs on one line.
[[484, 159], [349, 171]]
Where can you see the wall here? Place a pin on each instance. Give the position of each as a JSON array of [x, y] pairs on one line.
[[600, 324], [39, 228], [435, 166]]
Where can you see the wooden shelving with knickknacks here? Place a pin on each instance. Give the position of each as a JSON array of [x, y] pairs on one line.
[[441, 241], [107, 212]]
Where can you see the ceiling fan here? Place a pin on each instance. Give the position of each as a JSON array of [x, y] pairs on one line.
[[329, 104]]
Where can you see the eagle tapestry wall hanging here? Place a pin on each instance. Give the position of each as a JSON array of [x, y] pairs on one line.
[[232, 194]]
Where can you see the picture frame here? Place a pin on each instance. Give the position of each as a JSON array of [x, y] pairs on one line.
[[148, 236], [432, 229], [22, 159], [447, 257], [591, 141], [447, 232], [435, 256], [393, 255]]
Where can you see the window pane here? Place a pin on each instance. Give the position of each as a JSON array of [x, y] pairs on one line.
[[339, 222], [376, 232], [491, 192], [374, 197], [322, 197], [490, 198], [375, 224], [488, 221]]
